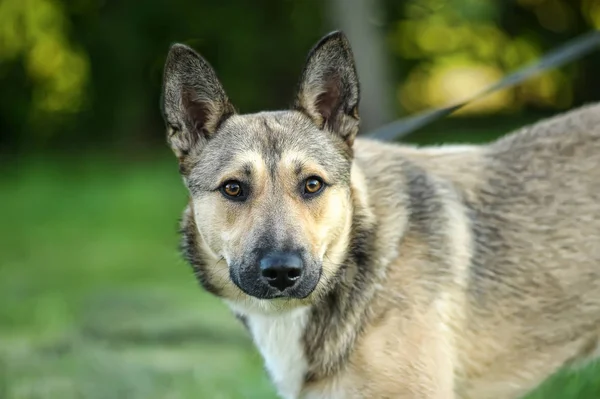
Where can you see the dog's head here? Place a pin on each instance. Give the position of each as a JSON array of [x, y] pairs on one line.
[[270, 192]]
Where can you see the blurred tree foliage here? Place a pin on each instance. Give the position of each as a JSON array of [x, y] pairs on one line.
[[455, 48], [88, 72]]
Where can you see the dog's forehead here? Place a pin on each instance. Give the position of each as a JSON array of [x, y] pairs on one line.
[[270, 138], [271, 133]]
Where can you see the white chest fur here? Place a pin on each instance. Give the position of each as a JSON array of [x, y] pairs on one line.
[[279, 340]]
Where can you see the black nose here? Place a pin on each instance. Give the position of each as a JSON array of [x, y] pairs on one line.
[[281, 270]]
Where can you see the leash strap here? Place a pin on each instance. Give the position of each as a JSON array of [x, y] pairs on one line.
[[567, 52]]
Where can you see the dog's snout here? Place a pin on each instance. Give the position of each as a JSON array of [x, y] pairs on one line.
[[272, 273], [281, 270]]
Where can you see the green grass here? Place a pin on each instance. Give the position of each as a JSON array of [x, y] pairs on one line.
[[96, 303]]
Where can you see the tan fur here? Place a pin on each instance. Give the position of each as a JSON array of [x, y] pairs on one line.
[[544, 319]]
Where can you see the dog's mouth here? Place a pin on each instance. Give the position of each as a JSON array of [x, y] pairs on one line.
[[260, 291]]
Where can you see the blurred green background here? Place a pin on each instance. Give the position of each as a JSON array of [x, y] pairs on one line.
[[94, 299]]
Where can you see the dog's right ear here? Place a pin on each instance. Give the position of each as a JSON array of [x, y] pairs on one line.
[[193, 102]]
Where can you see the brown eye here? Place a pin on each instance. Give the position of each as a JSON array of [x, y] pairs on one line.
[[312, 185], [233, 190]]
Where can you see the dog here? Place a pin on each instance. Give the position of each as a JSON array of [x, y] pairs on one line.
[[364, 269]]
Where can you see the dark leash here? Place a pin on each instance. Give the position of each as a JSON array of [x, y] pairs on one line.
[[565, 53]]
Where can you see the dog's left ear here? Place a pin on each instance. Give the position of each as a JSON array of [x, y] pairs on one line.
[[329, 87]]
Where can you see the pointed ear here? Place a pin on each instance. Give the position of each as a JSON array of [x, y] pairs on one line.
[[329, 87], [194, 103]]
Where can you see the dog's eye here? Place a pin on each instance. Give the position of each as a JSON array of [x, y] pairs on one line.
[[233, 190], [312, 185]]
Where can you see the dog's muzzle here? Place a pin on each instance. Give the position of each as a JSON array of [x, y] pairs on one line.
[[277, 275]]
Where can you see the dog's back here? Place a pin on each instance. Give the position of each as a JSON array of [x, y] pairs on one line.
[[532, 286]]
